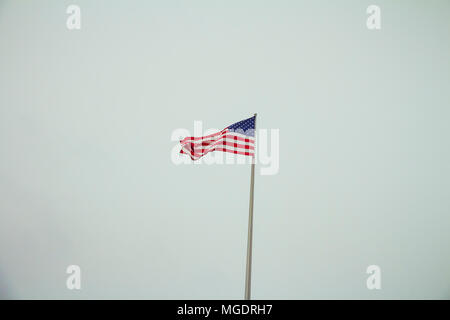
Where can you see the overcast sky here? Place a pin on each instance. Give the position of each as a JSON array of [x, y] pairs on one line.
[[86, 176]]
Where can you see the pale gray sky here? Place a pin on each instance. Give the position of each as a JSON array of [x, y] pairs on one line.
[[86, 176]]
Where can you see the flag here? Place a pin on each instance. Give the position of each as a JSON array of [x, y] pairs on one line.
[[239, 138]]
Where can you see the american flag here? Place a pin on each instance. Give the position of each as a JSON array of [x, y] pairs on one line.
[[239, 138]]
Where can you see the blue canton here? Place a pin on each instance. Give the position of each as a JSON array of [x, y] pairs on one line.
[[246, 127]]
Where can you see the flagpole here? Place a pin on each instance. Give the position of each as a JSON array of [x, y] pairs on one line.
[[248, 273]]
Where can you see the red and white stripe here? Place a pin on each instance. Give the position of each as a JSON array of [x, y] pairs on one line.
[[225, 141]]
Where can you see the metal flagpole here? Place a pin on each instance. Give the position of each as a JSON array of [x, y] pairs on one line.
[[248, 273]]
